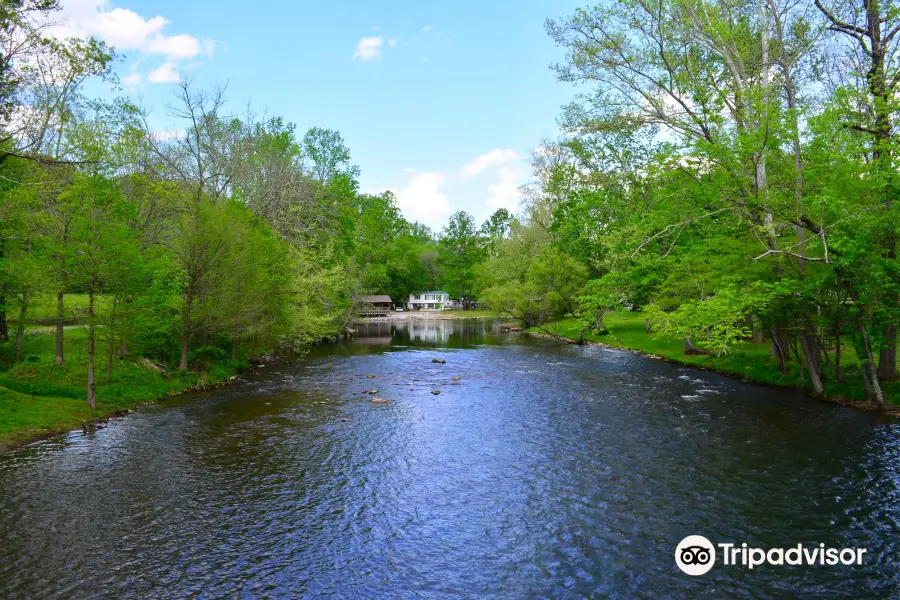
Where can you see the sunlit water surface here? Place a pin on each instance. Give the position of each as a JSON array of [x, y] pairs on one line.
[[545, 470]]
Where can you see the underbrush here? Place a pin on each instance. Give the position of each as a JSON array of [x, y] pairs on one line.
[[746, 360], [39, 397]]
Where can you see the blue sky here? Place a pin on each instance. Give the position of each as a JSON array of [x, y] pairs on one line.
[[440, 102]]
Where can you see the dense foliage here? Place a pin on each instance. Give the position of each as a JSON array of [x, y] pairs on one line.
[[730, 169], [224, 236]]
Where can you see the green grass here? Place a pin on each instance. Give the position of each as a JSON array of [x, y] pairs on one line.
[[42, 309], [38, 397], [745, 360], [471, 314]]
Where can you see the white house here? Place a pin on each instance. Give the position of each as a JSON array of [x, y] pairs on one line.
[[431, 299]]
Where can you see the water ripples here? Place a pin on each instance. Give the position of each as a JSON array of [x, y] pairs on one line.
[[544, 470]]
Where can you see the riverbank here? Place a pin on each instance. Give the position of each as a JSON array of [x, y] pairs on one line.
[[39, 399], [746, 361], [434, 315]]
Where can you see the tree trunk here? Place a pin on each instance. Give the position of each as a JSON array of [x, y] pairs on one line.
[[112, 349], [185, 331], [870, 393], [59, 358], [183, 363], [870, 365], [91, 384], [780, 347], [758, 336], [887, 359], [813, 361], [4, 328], [691, 350], [233, 348], [20, 329]]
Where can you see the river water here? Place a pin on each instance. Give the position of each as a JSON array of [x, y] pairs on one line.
[[545, 470]]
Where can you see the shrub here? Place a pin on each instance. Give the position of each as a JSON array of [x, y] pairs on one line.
[[203, 357]]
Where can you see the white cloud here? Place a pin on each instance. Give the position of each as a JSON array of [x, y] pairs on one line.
[[422, 199], [132, 79], [409, 170], [165, 73], [368, 48], [505, 193], [167, 135], [393, 41], [494, 157], [126, 30], [427, 28]]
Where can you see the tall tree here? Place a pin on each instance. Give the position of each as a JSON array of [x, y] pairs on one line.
[[460, 247]]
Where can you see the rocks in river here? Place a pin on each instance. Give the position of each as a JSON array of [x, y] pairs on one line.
[[377, 400], [440, 361], [457, 378], [345, 420], [372, 376], [436, 392]]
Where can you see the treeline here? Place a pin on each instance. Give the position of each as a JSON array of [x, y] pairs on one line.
[[731, 169], [227, 231]]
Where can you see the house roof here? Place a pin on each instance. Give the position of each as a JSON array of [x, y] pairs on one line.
[[374, 299], [431, 292]]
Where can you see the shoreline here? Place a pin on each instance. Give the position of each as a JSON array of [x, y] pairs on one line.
[[13, 442], [26, 436], [422, 315], [891, 410], [10, 443]]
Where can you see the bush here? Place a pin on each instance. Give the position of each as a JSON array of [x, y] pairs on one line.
[[219, 372], [204, 357]]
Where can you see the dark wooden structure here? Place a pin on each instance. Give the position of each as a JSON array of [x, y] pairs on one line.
[[372, 306]]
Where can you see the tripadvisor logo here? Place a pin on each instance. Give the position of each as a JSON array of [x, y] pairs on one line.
[[696, 555]]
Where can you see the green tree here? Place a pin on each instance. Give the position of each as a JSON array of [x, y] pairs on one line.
[[460, 248]]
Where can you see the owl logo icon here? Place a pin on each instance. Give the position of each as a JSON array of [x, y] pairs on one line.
[[695, 555]]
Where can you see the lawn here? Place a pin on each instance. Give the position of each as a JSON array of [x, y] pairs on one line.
[[42, 309], [471, 314], [745, 360], [38, 397]]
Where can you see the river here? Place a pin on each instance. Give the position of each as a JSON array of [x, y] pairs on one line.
[[544, 470]]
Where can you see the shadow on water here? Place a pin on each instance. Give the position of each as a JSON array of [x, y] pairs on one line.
[[539, 469]]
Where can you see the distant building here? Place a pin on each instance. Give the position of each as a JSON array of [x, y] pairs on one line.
[[430, 299], [372, 306]]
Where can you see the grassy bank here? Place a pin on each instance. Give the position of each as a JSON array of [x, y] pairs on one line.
[[747, 361], [471, 314], [39, 398], [42, 309]]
